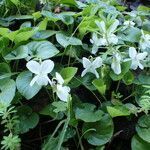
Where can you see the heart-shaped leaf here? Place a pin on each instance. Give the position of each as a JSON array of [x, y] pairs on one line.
[[88, 113], [42, 49], [23, 85]]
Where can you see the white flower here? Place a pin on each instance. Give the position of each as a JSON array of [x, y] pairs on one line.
[[91, 66], [108, 36], [41, 71], [129, 23], [61, 91], [145, 41], [116, 67], [136, 58], [96, 43], [42, 1]]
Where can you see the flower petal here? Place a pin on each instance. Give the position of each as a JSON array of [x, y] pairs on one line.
[[102, 41], [101, 26], [63, 92], [86, 62], [112, 39], [47, 66], [96, 73], [84, 72], [113, 27], [140, 66], [59, 78], [94, 37], [132, 52], [94, 49], [116, 67], [142, 56], [97, 62], [42, 80], [134, 64], [33, 66], [33, 80]]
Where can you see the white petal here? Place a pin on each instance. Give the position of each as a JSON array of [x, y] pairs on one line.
[[91, 41], [116, 67], [47, 66], [94, 37], [97, 62], [94, 49], [140, 66], [102, 41], [132, 52], [33, 80], [59, 78], [42, 80], [113, 27], [96, 73], [101, 26], [84, 72], [63, 92], [112, 39], [134, 64], [142, 56], [86, 62], [33, 66]]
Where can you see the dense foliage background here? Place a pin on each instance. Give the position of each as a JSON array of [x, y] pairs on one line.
[[74, 74]]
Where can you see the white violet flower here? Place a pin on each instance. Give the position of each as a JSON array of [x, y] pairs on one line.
[[136, 58], [108, 36], [129, 23], [91, 66], [116, 67], [43, 1], [145, 41], [61, 91], [96, 43], [41, 71]]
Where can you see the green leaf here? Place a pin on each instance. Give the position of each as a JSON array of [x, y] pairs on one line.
[[7, 91], [65, 17], [28, 119], [100, 85], [23, 85], [118, 111], [16, 2], [50, 144], [19, 53], [48, 110], [131, 35], [68, 2], [66, 40], [88, 113], [5, 71], [87, 81], [124, 69], [59, 106], [143, 128], [142, 80], [41, 35], [4, 68], [68, 73], [43, 24], [101, 131], [24, 35], [138, 144], [128, 78], [42, 49]]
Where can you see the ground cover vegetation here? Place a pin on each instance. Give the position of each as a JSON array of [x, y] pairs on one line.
[[74, 74]]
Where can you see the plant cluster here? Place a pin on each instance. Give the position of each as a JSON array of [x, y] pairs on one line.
[[89, 59]]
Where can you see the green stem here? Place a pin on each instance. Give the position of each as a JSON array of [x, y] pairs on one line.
[[62, 136]]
